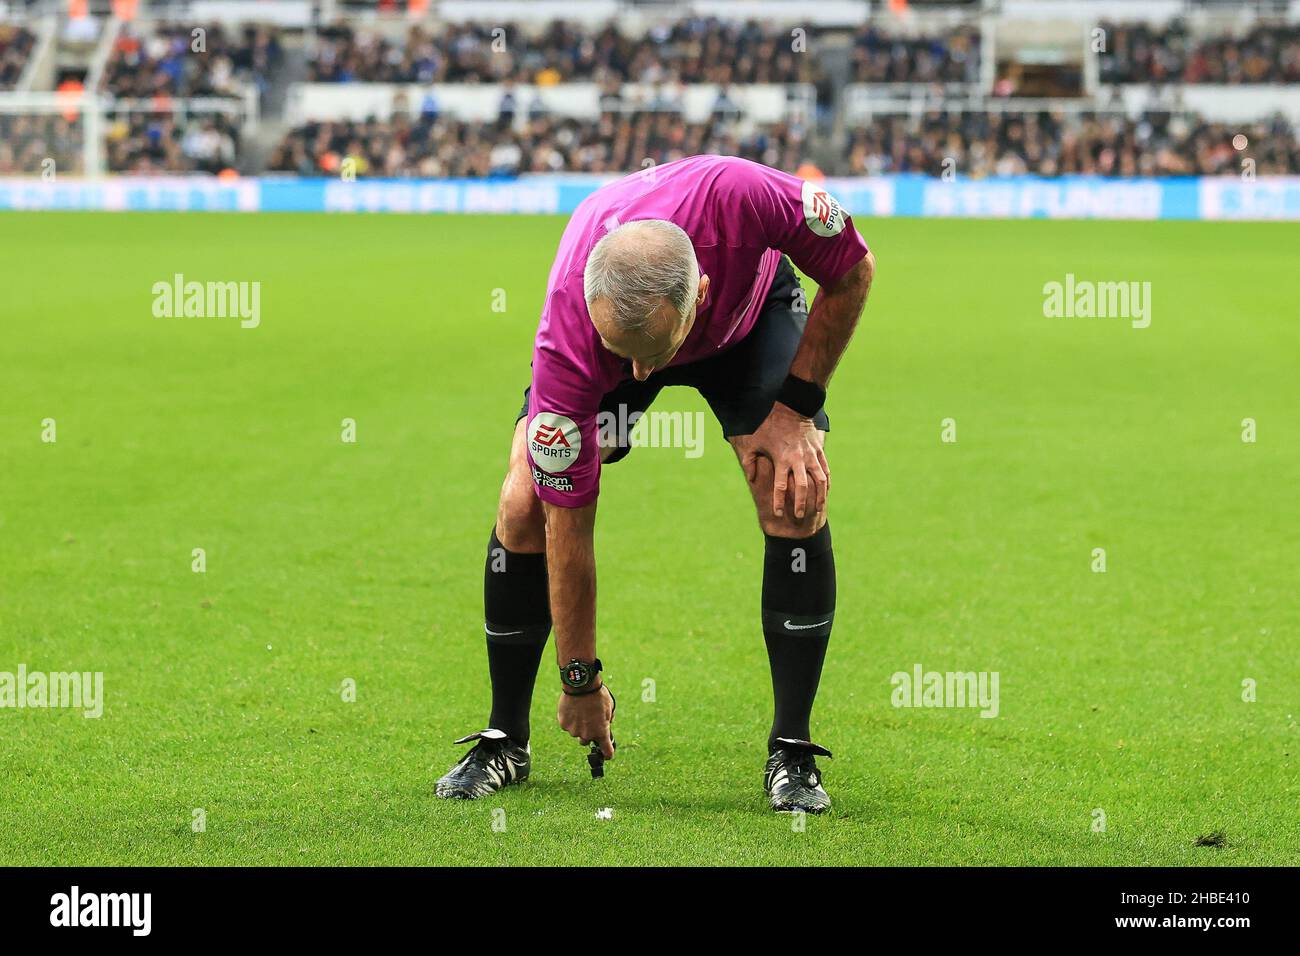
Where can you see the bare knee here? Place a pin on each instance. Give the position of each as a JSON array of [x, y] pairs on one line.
[[786, 525], [521, 526]]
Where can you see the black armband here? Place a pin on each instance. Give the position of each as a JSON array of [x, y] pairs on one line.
[[806, 398]]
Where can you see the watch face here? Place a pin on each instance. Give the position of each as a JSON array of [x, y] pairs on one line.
[[576, 674]]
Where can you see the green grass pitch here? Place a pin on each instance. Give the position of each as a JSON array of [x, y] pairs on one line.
[[329, 561]]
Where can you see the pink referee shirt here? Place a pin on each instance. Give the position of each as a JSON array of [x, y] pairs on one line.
[[741, 217]]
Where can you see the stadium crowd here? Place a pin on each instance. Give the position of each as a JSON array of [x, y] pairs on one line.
[[432, 146], [1055, 144], [16, 44], [693, 50], [164, 142], [163, 62], [978, 144], [951, 57], [27, 141], [158, 63], [1139, 53]]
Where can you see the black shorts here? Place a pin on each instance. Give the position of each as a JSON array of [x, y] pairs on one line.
[[740, 384]]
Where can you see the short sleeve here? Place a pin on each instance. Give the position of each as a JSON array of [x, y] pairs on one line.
[[563, 452], [804, 221]]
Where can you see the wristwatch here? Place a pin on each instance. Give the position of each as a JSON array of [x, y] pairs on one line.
[[579, 677]]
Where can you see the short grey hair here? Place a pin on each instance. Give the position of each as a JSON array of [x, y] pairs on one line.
[[637, 265]]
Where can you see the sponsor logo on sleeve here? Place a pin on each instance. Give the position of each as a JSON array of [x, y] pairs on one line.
[[554, 442], [557, 482], [822, 211]]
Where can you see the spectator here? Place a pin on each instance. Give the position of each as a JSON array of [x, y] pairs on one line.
[[1139, 53], [27, 141], [162, 142], [15, 47], [181, 61], [952, 57], [1054, 143], [693, 50], [615, 142]]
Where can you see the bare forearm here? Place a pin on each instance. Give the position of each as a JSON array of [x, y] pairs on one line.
[[571, 567], [831, 322]]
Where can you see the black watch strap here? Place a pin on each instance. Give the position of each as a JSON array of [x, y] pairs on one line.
[[578, 676], [804, 397]]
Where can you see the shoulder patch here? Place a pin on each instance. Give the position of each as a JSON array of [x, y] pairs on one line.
[[554, 441], [822, 211]]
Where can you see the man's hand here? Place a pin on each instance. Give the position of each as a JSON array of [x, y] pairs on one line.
[[794, 446], [587, 717], [791, 442], [571, 567]]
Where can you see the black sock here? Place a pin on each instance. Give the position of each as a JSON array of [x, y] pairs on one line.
[[517, 615], [798, 611]]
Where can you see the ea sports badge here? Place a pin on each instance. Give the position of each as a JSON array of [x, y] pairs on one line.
[[822, 211], [554, 441]]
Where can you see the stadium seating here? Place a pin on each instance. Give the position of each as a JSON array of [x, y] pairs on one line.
[[980, 144], [691, 50], [430, 98], [27, 141], [951, 56], [163, 142], [16, 44], [163, 62], [430, 147], [1139, 53]]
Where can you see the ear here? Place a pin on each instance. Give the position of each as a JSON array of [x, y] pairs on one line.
[[704, 290]]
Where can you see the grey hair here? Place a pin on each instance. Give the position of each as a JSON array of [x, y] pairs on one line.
[[636, 266]]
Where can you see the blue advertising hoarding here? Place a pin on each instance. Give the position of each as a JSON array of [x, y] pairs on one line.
[[1022, 197]]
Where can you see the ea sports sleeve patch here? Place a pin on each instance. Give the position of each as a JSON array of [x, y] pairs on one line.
[[554, 445], [560, 438], [563, 401], [805, 221], [822, 212]]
